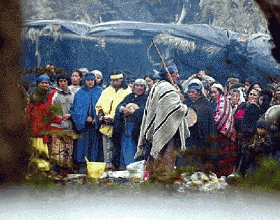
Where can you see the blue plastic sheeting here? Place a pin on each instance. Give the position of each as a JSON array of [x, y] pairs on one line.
[[127, 46]]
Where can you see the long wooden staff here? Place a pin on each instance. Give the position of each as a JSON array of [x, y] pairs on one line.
[[163, 64]]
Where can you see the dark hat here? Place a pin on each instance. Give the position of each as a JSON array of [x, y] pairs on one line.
[[172, 68], [262, 124], [156, 76], [130, 79]]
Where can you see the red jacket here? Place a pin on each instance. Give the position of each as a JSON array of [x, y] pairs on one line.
[[39, 118]]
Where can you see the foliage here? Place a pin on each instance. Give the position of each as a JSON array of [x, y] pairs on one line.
[[40, 95], [39, 180], [43, 70], [27, 81], [265, 177], [56, 109]]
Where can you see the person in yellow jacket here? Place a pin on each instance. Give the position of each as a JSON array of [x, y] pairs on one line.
[[105, 108]]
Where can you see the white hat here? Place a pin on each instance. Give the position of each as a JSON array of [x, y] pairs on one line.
[[83, 70], [218, 85], [140, 82], [97, 73]]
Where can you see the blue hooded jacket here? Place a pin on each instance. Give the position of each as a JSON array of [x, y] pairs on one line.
[[84, 105]]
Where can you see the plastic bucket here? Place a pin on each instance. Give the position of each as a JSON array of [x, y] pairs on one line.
[[95, 169]]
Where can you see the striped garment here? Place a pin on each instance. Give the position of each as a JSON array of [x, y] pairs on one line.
[[164, 114], [224, 118]]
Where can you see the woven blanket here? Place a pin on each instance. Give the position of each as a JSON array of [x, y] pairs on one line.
[[164, 114], [224, 118]]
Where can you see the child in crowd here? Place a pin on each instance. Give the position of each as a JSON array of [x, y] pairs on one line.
[[259, 146]]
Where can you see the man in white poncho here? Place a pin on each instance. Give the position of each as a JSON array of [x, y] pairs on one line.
[[164, 126]]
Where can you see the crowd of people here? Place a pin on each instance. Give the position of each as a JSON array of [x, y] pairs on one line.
[[78, 117]]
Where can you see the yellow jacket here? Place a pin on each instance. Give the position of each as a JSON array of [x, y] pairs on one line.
[[108, 102]]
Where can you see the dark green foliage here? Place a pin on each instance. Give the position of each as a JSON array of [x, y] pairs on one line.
[[56, 109], [40, 95], [265, 177], [39, 180]]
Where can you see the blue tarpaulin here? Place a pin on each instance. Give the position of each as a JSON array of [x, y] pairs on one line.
[[125, 45]]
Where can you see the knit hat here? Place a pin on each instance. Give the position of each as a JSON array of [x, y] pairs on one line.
[[262, 124], [172, 68], [43, 77], [97, 73]]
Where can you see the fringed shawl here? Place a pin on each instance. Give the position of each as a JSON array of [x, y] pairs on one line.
[[224, 118], [164, 114]]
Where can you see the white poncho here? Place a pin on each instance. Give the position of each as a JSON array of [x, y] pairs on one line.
[[164, 114]]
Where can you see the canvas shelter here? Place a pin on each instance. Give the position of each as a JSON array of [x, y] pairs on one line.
[[126, 45]]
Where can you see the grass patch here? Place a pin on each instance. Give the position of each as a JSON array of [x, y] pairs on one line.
[[266, 177], [39, 180]]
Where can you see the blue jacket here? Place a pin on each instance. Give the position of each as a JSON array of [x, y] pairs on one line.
[[84, 105]]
